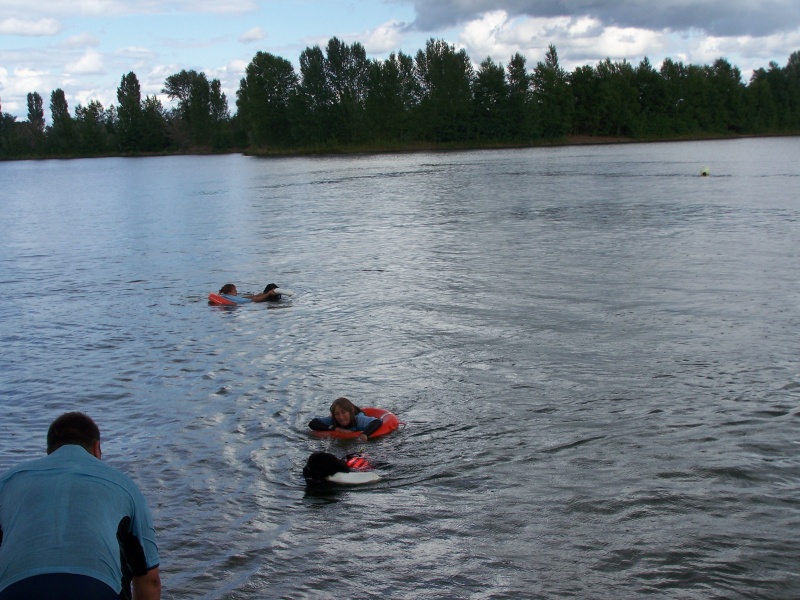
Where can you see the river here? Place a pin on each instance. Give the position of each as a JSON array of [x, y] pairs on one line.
[[593, 350]]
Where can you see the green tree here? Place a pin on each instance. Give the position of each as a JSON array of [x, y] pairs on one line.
[[263, 100], [90, 129], [584, 84], [676, 111], [652, 100], [7, 138], [154, 125], [392, 96], [726, 98], [553, 96], [445, 80], [311, 107], [129, 114], [199, 111], [60, 136], [347, 75], [618, 99], [522, 115], [36, 112], [491, 96], [33, 136]]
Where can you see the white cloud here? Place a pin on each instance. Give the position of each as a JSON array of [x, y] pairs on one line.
[[80, 41], [583, 40], [118, 8], [42, 27], [137, 52], [238, 67], [385, 38], [27, 80], [253, 35], [91, 63]]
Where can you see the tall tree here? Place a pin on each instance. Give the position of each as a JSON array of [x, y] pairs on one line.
[[652, 99], [179, 87], [445, 78], [60, 135], [154, 125], [263, 99], [617, 101], [90, 128], [726, 97], [36, 112], [392, 95], [522, 116], [312, 105], [7, 127], [553, 96], [129, 114], [491, 95], [347, 74]]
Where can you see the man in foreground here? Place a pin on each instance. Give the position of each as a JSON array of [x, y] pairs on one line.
[[72, 527]]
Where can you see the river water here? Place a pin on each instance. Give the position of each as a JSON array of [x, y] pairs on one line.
[[594, 352]]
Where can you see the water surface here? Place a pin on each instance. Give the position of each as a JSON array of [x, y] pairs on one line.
[[594, 351]]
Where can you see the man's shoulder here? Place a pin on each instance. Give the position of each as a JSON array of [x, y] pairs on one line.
[[71, 459]]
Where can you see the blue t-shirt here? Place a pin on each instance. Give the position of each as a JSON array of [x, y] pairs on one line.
[[237, 299], [362, 422], [61, 513]]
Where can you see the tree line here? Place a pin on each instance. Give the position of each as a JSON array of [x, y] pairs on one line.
[[341, 99]]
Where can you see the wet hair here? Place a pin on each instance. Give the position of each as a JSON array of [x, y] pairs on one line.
[[72, 428], [321, 465], [345, 404], [227, 288], [270, 287]]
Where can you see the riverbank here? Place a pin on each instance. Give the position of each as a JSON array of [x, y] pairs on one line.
[[572, 140], [351, 149]]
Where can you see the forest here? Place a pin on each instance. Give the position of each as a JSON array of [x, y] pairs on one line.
[[342, 101]]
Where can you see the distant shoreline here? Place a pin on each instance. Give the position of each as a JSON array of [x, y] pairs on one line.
[[576, 140], [411, 148]]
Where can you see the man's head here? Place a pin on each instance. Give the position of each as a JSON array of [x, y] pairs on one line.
[[73, 428]]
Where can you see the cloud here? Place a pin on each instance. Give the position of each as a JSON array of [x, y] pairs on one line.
[[42, 27], [91, 63], [582, 39], [80, 41], [252, 35], [715, 17], [118, 8], [383, 39]]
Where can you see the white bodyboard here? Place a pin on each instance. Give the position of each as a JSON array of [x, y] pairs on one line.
[[354, 477]]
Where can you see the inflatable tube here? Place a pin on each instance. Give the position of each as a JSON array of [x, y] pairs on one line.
[[354, 478], [226, 300], [390, 423]]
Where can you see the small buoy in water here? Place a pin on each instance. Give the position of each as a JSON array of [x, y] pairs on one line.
[[705, 172]]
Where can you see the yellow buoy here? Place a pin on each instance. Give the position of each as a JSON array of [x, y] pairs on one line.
[[705, 172]]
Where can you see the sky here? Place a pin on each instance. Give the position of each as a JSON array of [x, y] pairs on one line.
[[85, 47]]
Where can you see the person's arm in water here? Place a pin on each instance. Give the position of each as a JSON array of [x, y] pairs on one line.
[[147, 586], [321, 424], [269, 294], [371, 428], [265, 296]]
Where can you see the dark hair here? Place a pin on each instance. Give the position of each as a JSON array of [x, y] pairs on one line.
[[227, 288], [270, 287], [346, 405], [72, 428]]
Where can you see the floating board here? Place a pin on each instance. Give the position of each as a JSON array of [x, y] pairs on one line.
[[354, 477], [390, 423], [283, 292], [226, 300]]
